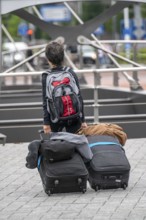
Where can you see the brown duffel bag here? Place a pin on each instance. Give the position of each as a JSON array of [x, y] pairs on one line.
[[105, 129]]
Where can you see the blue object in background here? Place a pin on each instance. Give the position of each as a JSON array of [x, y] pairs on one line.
[[22, 29], [133, 31], [100, 30]]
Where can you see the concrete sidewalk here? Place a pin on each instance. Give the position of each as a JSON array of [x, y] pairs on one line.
[[22, 195]]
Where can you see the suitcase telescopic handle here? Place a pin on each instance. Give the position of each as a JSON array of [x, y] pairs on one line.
[[41, 132]]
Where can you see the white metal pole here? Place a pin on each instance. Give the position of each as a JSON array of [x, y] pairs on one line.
[[138, 22], [127, 31]]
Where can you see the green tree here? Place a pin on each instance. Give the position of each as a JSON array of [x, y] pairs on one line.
[[91, 9], [143, 10], [11, 22]]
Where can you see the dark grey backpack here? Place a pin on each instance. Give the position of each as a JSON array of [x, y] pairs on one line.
[[62, 93]]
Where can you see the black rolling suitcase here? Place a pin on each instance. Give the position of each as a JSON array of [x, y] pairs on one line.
[[109, 167], [61, 168], [63, 176]]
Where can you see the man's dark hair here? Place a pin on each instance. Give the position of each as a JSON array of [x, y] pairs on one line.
[[55, 53]]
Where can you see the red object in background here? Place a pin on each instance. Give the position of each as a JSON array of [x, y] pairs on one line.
[[30, 32]]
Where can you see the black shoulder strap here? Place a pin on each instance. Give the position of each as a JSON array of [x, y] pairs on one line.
[[48, 71], [66, 68]]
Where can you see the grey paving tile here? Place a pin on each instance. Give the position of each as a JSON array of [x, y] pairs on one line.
[[22, 196]]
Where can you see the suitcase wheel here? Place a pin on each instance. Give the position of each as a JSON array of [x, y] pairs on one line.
[[124, 186], [96, 188], [48, 193], [79, 181], [83, 191]]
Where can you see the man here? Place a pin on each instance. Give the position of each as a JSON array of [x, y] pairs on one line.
[[55, 56]]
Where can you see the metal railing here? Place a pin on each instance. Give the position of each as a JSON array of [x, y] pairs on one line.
[[133, 84], [133, 81]]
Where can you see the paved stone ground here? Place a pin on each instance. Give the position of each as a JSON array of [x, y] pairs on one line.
[[22, 195]]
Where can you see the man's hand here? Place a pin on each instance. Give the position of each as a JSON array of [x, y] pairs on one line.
[[84, 125], [47, 129]]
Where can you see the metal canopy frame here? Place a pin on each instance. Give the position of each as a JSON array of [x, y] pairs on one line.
[[12, 5], [70, 34], [8, 6]]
